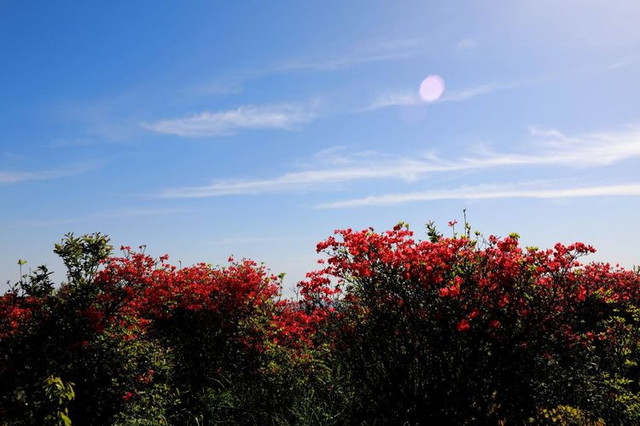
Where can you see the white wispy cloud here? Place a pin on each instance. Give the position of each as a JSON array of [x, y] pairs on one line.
[[472, 92], [393, 99], [591, 149], [15, 177], [548, 148], [337, 60], [12, 177], [411, 97], [483, 192], [393, 168], [384, 51], [625, 62], [466, 44], [222, 123]]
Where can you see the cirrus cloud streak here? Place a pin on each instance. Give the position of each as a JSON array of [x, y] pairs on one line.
[[13, 177], [547, 148], [224, 123], [485, 192]]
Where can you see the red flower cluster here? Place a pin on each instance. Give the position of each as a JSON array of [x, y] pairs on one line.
[[492, 287], [146, 292], [16, 313]]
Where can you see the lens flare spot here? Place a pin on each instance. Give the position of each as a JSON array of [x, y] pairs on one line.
[[431, 88]]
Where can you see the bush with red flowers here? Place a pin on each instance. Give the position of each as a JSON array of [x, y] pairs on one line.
[[390, 330], [461, 330]]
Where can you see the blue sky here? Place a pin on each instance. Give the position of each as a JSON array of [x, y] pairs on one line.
[[203, 129]]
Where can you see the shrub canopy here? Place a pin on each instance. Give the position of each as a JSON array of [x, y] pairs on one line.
[[390, 330]]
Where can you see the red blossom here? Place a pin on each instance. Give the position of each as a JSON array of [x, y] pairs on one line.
[[463, 325]]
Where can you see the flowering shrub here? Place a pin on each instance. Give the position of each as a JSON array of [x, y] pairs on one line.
[[216, 322], [391, 329], [463, 331]]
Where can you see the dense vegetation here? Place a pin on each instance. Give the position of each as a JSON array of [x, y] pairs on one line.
[[390, 330]]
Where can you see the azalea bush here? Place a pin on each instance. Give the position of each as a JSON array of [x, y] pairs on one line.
[[390, 329], [141, 341], [462, 330]]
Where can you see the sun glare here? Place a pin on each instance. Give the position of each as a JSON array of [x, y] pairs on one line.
[[431, 88]]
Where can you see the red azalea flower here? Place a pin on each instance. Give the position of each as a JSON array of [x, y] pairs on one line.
[[463, 325]]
